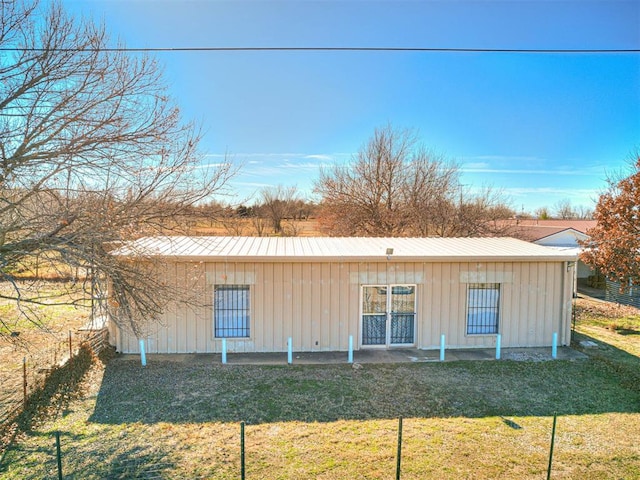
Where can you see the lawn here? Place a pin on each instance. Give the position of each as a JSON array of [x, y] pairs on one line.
[[36, 334], [181, 418]]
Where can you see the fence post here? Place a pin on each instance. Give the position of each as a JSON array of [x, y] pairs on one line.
[[553, 437], [242, 450], [399, 455], [58, 456], [24, 381]]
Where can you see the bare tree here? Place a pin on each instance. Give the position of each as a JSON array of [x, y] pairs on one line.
[[277, 204], [92, 153], [209, 213], [291, 228], [367, 196], [302, 209], [259, 225], [584, 213], [480, 214], [564, 210], [395, 187], [233, 223], [432, 194]]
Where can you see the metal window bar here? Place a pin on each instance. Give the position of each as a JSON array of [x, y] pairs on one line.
[[483, 304], [374, 316], [231, 311], [403, 304], [374, 329], [402, 328]]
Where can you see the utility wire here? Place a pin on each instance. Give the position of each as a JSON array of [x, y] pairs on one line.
[[329, 49]]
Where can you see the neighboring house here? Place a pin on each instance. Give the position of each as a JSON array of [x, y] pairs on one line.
[[564, 235], [560, 234], [384, 292]]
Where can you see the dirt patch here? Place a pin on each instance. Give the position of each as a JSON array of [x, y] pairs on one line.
[[528, 355]]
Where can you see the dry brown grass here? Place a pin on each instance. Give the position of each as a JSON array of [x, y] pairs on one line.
[[35, 337], [245, 227], [37, 328]]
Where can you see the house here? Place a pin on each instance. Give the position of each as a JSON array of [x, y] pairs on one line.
[[562, 235], [383, 292]]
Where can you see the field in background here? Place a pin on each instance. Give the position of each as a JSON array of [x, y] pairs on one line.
[[29, 328], [180, 419], [247, 227]]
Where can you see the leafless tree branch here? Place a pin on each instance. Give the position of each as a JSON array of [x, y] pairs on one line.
[[93, 152], [395, 187]]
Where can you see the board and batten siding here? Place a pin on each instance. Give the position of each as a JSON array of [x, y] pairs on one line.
[[318, 304]]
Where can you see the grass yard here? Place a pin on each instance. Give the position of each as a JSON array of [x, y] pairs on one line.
[[35, 333], [60, 310], [181, 418], [39, 328]]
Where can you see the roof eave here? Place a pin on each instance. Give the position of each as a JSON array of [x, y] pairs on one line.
[[371, 259]]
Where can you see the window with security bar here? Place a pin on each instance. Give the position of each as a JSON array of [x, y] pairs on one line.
[[231, 311], [483, 308]]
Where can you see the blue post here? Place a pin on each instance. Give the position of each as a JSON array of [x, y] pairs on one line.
[[289, 350], [498, 342], [350, 354], [442, 348], [143, 356], [554, 346], [224, 351]]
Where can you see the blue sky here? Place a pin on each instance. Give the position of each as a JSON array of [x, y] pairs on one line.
[[542, 128]]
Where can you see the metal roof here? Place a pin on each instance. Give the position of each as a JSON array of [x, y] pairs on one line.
[[324, 249], [524, 224]]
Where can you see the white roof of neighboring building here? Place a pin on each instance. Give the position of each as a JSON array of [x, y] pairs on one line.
[[569, 250], [564, 238], [273, 249]]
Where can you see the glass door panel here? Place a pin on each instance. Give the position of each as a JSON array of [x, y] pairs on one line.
[[374, 315], [403, 306]]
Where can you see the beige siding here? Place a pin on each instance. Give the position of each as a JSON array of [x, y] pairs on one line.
[[509, 303], [352, 290], [307, 308], [313, 294], [318, 304]]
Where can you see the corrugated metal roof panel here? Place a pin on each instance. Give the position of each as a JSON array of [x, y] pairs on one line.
[[269, 249]]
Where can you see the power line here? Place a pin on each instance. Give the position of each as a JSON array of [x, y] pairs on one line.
[[329, 49]]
